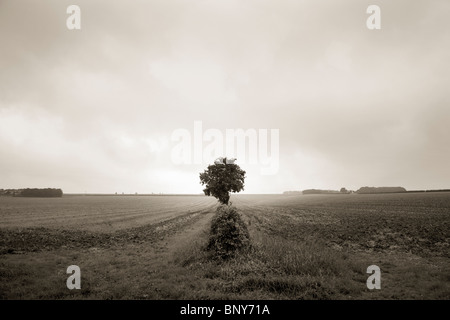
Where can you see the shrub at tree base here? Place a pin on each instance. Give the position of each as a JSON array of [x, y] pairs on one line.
[[228, 233]]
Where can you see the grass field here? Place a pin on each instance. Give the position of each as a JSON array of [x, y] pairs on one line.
[[152, 247]]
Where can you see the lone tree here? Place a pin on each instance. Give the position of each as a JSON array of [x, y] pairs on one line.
[[221, 178]]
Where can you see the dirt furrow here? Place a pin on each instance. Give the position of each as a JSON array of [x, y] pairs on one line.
[[14, 241]]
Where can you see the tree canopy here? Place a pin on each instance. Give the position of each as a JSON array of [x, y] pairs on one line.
[[221, 178]]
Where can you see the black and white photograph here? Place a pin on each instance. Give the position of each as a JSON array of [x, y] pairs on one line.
[[231, 151]]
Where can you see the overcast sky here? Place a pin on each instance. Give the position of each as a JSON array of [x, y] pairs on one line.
[[94, 110]]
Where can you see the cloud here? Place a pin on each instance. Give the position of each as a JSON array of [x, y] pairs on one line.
[[95, 108]]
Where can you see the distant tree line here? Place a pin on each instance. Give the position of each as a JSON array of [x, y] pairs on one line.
[[381, 190], [362, 190], [434, 190], [319, 191], [292, 192], [32, 192]]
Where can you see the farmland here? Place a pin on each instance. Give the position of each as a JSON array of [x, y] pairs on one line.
[[151, 247]]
